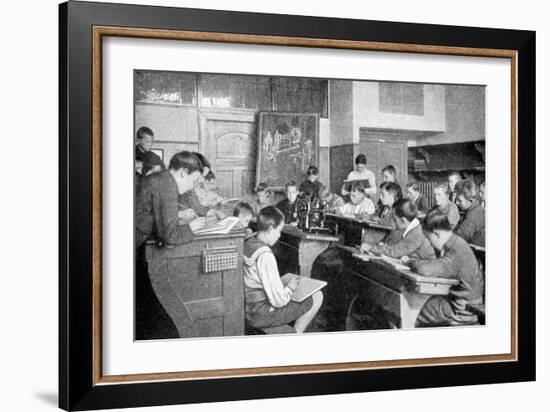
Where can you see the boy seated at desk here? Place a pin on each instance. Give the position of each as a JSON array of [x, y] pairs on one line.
[[359, 206], [472, 226], [206, 191], [267, 300], [312, 182], [287, 206], [332, 201], [442, 195], [410, 241], [262, 198], [457, 261], [245, 214], [413, 193]]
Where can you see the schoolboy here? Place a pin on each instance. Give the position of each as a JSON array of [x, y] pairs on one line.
[[288, 205], [457, 261], [411, 241], [359, 206], [332, 201], [443, 203], [267, 300], [245, 213], [206, 192], [413, 193], [312, 182], [472, 226], [151, 163]]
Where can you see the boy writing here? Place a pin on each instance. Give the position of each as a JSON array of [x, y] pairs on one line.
[[206, 192], [267, 300], [457, 261], [332, 201], [360, 206], [245, 213]]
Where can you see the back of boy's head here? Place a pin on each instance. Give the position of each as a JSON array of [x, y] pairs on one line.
[[390, 169], [312, 171], [357, 187], [269, 217], [203, 160], [405, 208], [243, 208], [142, 131], [185, 160], [210, 176], [392, 188], [436, 220]]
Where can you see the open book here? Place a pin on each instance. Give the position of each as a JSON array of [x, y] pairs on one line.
[[214, 227], [306, 286]]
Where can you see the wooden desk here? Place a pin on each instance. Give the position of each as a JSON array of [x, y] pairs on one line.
[[200, 304], [296, 250], [355, 231], [400, 293]]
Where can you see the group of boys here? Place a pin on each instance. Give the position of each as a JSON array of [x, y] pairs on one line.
[[160, 193]]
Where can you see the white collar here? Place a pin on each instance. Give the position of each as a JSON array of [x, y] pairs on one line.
[[415, 222]]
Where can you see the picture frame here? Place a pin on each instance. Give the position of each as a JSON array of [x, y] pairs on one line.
[[82, 384], [282, 158]]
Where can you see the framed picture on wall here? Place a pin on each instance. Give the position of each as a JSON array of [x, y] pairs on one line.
[[430, 101], [288, 144]]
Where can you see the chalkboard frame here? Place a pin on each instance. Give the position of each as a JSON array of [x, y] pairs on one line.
[[264, 126]]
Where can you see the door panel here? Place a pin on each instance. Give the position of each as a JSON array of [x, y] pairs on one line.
[[228, 139]]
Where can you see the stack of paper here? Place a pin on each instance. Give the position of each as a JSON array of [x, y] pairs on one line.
[[218, 228]]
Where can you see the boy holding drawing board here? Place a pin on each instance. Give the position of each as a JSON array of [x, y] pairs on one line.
[[268, 301]]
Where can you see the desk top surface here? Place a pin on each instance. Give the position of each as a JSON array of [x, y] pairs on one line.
[[294, 231], [406, 274], [364, 222]]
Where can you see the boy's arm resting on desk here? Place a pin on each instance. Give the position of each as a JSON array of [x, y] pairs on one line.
[[437, 268], [404, 247], [277, 293]]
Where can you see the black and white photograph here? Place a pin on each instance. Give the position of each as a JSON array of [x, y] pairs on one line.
[[268, 205]]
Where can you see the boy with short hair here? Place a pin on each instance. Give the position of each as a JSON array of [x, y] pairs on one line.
[[267, 301], [442, 194], [360, 206], [453, 179], [245, 213], [472, 226], [413, 193], [332, 201], [311, 183], [151, 163], [262, 198], [457, 261], [288, 205], [206, 191]]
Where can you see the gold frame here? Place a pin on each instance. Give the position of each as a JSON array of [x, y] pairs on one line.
[[101, 31]]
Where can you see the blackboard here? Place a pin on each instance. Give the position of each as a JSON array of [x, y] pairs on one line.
[[288, 143]]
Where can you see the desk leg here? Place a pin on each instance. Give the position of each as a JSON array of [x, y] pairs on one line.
[[411, 305], [308, 252]]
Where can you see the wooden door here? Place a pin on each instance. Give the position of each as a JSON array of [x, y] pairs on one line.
[[228, 139], [383, 149]]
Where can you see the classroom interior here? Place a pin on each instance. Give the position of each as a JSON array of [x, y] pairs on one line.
[[425, 131]]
